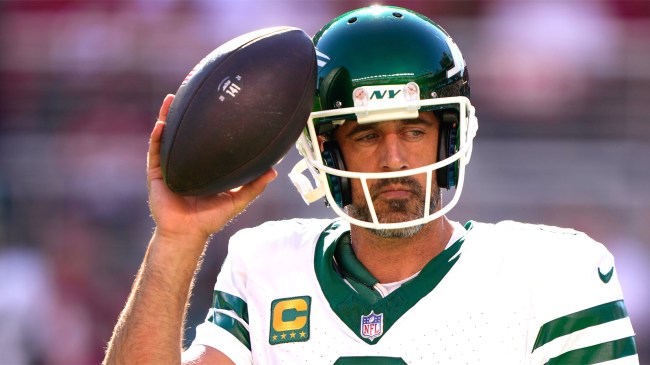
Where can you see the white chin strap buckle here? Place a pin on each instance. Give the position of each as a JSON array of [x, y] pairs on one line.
[[308, 192]]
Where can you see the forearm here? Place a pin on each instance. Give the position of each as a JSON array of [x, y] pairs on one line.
[[149, 329]]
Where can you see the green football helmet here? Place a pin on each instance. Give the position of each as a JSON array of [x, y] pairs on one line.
[[386, 63]]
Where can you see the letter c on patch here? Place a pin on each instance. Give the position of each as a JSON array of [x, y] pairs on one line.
[[289, 315]]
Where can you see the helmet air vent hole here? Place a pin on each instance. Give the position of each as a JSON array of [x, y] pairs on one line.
[[397, 15], [352, 20]]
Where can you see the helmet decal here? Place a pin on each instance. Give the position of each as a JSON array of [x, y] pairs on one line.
[[321, 59], [386, 102], [459, 62]]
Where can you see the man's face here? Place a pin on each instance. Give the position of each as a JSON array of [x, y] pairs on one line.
[[385, 147]]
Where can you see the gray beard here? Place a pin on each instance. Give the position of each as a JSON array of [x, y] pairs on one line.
[[362, 212]]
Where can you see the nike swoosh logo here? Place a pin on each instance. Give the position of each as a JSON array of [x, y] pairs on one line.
[[606, 277]]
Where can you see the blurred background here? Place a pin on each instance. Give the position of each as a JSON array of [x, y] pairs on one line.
[[562, 90]]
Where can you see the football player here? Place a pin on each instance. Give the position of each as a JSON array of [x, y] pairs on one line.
[[392, 281]]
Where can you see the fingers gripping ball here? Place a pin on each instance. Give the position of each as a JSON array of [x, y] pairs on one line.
[[239, 111]]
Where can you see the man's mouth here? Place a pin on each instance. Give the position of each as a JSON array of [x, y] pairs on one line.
[[395, 192]]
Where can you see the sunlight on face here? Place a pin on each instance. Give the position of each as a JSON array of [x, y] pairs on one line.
[[391, 146]]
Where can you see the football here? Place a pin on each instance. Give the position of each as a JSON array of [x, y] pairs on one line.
[[239, 111]]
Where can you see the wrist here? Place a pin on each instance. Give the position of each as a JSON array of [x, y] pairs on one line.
[[191, 244]]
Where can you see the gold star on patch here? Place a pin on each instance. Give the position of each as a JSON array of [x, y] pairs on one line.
[[293, 335], [302, 334], [275, 337], [284, 336]]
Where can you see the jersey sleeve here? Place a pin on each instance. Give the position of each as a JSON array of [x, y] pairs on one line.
[[580, 314], [226, 326], [232, 325]]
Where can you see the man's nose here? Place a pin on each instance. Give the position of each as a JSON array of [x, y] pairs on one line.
[[393, 154]]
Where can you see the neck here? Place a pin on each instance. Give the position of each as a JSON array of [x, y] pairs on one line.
[[394, 259]]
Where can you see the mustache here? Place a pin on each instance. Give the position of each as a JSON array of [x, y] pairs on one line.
[[405, 181]]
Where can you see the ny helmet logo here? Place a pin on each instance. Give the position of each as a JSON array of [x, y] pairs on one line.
[[380, 94]]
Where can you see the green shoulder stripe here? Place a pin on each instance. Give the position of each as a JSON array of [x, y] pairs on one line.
[[225, 301], [231, 325], [597, 353], [580, 320]]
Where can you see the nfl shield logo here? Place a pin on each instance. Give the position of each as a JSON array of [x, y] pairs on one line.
[[372, 325]]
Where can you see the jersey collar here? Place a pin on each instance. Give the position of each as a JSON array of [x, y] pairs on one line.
[[350, 304]]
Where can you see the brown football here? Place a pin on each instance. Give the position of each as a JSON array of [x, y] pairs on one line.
[[239, 111]]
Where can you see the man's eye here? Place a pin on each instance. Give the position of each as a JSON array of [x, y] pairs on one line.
[[367, 137], [415, 132]]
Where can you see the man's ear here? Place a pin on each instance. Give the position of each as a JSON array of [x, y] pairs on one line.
[[321, 142]]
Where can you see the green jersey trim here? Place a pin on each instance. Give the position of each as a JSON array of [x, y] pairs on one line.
[[369, 360], [225, 301], [231, 325], [595, 354], [580, 320], [222, 301], [350, 306]]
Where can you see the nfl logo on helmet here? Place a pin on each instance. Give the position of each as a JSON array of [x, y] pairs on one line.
[[372, 325]]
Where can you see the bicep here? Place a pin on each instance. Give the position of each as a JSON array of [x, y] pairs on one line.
[[200, 355]]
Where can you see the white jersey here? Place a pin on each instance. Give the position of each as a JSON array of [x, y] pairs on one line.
[[508, 293]]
